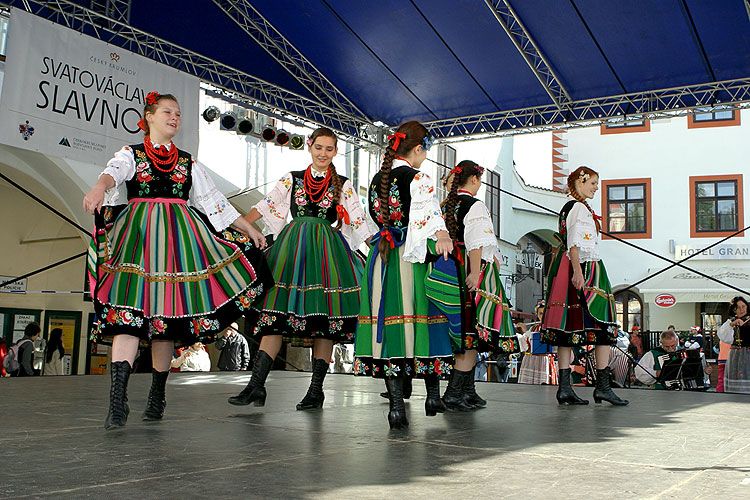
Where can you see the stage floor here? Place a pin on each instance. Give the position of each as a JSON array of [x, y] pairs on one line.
[[664, 445]]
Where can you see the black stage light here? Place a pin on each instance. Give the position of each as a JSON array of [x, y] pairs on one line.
[[245, 127], [228, 121], [296, 142], [282, 137], [268, 133], [211, 114]]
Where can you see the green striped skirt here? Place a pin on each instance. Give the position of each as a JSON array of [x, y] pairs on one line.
[[400, 331], [158, 271], [578, 317], [488, 326], [317, 291]]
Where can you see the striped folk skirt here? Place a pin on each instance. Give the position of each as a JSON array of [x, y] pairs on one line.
[[158, 271], [578, 317], [400, 331], [317, 285], [491, 326]]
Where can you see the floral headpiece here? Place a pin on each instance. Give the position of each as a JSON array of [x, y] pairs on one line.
[[457, 170], [584, 176], [309, 141], [427, 141], [152, 97]]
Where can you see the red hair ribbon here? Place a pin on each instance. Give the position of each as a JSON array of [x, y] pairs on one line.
[[396, 141], [342, 213], [388, 236], [596, 217], [457, 170], [142, 124], [459, 257], [152, 97]]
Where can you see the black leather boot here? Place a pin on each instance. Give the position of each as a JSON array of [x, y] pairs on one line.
[[118, 395], [470, 392], [433, 404], [407, 389], [157, 398], [565, 394], [255, 391], [314, 397], [603, 391], [454, 394], [397, 414]]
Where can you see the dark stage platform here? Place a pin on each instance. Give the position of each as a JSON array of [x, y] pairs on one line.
[[664, 445]]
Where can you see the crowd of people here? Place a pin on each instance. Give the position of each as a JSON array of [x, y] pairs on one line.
[[176, 265]]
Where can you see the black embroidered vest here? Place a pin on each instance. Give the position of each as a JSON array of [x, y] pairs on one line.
[[150, 182], [399, 197], [302, 205], [464, 204]]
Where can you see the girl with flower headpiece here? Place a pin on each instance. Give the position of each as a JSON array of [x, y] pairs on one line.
[[486, 324], [315, 266], [176, 265], [736, 331], [580, 305], [400, 333]]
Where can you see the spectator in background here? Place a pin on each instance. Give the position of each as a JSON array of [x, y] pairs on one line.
[[40, 352], [649, 367], [53, 361], [193, 359], [3, 352], [26, 350], [736, 330], [235, 353]]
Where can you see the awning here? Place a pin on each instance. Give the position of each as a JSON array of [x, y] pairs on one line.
[[687, 286]]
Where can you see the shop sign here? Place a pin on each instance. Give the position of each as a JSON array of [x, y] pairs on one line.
[[665, 300]]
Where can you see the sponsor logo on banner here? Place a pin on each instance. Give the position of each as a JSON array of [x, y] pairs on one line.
[[70, 95], [665, 300]]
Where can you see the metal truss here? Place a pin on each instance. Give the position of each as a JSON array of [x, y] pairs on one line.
[[520, 37], [272, 41], [116, 9], [638, 105], [244, 86]]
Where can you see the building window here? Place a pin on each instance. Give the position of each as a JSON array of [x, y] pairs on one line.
[[629, 310], [723, 116], [626, 207], [492, 198], [625, 127], [715, 205]]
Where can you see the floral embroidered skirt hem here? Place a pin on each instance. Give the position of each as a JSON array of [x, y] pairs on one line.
[[573, 317], [488, 326], [400, 331], [158, 271], [317, 285], [737, 370]]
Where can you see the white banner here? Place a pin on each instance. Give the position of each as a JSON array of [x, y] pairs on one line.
[[69, 95]]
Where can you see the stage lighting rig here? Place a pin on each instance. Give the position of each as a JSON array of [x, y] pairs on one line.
[[228, 121], [268, 133], [211, 114], [282, 137], [296, 142]]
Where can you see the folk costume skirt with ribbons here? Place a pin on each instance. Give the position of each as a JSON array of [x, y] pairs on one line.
[[487, 325], [578, 317], [158, 271], [401, 332], [317, 285]]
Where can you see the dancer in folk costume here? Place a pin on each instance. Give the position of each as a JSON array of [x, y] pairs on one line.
[[165, 268], [736, 331], [538, 365], [314, 263], [580, 305], [486, 322], [400, 333]]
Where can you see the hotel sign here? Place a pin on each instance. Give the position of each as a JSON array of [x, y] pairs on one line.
[[725, 251]]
